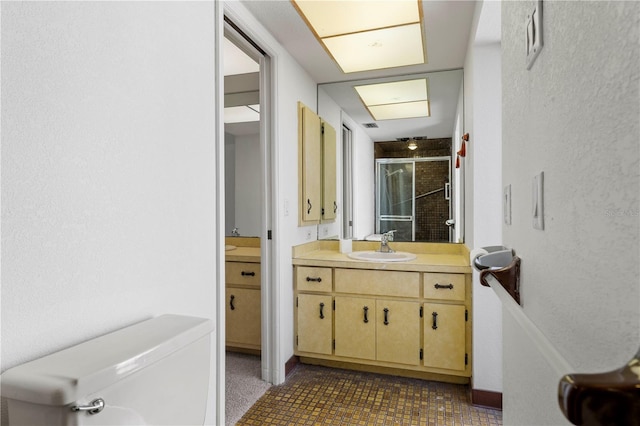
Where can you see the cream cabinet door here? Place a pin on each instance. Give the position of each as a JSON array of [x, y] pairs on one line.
[[309, 163], [329, 200], [398, 331], [444, 336], [355, 327], [315, 323], [243, 317]]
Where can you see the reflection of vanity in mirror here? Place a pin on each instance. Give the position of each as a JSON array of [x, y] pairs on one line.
[[398, 174]]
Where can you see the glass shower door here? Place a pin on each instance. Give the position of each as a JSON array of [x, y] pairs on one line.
[[395, 201]]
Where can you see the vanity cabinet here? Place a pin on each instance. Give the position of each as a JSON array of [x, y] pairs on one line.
[[243, 305], [380, 320], [315, 320], [316, 168]]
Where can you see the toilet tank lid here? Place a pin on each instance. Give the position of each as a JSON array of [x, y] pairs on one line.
[[65, 376]]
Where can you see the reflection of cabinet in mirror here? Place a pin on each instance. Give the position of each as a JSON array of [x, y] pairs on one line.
[[243, 295], [316, 168]]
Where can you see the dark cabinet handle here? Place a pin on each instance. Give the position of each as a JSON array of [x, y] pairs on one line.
[[308, 205], [435, 321], [248, 274], [335, 207], [321, 313], [386, 316], [233, 308], [366, 312], [439, 286], [317, 280]]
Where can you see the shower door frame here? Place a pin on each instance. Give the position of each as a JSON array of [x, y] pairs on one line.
[[448, 189]]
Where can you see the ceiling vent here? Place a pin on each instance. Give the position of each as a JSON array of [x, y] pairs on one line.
[[370, 125]]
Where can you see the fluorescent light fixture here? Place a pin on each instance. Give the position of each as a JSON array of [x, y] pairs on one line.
[[242, 114], [366, 35], [377, 49], [236, 61], [398, 99]]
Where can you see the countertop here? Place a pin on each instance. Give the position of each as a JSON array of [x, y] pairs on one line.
[[247, 249], [431, 257]]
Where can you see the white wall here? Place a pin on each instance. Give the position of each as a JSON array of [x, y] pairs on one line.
[[575, 117], [364, 201], [483, 192], [108, 170], [247, 186]]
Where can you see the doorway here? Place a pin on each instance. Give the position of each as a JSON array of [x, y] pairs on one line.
[[248, 203]]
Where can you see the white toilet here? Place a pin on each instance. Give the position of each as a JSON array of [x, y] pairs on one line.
[[152, 373]]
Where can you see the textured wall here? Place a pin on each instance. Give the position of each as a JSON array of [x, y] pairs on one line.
[[574, 116], [108, 184]]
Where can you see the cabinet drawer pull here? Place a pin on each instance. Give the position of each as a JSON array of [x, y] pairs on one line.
[[233, 308], [317, 280], [335, 207], [435, 321], [386, 316], [439, 286], [366, 312], [321, 313], [308, 205], [248, 274]]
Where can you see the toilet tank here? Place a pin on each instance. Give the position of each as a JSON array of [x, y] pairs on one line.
[[152, 373]]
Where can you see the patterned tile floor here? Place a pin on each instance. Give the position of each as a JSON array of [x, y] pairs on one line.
[[315, 395]]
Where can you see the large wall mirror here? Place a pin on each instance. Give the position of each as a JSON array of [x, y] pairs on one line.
[[399, 173]]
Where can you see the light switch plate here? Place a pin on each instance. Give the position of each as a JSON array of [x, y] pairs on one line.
[[537, 201], [534, 34], [506, 205]]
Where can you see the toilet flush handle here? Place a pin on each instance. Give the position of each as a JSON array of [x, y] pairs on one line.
[[94, 407]]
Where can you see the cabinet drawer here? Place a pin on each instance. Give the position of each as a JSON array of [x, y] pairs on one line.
[[313, 279], [378, 283], [444, 286], [242, 273]]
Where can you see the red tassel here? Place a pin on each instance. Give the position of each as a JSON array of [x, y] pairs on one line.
[[463, 149], [458, 162]]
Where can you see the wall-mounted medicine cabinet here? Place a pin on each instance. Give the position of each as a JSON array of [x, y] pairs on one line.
[[316, 169]]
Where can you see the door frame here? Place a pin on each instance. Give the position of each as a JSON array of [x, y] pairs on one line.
[[270, 253]]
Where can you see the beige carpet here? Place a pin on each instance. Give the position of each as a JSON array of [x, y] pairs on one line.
[[244, 385]]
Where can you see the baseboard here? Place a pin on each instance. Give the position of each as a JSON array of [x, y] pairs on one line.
[[290, 365], [487, 399]]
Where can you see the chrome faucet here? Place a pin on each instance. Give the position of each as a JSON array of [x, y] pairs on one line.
[[235, 232], [384, 242]]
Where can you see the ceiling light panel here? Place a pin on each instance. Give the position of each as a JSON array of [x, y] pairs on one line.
[[331, 18], [236, 61], [377, 49], [363, 35], [394, 92], [396, 99], [240, 114], [403, 110]]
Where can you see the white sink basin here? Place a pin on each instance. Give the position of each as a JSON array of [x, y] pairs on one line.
[[376, 256]]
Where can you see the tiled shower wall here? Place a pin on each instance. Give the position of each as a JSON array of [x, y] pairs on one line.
[[431, 210]]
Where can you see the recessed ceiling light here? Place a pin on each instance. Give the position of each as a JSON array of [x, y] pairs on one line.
[[367, 35], [398, 99], [236, 61], [242, 114]]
